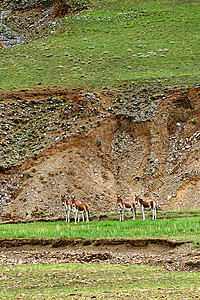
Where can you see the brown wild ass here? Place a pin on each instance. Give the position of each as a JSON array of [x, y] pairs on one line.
[[67, 207], [125, 206], [78, 208], [149, 204]]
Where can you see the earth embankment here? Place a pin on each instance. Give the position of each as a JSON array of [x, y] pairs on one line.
[[155, 252], [95, 146]]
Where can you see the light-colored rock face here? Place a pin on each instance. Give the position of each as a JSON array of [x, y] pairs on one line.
[[157, 158]]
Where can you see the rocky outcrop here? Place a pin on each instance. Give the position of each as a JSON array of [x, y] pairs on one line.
[[91, 148], [22, 21]]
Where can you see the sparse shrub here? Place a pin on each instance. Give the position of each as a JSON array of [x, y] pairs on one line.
[[16, 120], [17, 1], [2, 169], [98, 143]]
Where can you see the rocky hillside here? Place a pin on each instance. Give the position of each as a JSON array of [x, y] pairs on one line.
[[24, 20], [92, 145], [97, 145]]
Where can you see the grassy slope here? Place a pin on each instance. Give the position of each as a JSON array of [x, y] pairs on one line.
[[119, 41], [76, 281], [180, 228]]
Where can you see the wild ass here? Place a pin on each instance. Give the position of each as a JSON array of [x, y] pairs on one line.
[[125, 206], [149, 204], [78, 208], [67, 207]]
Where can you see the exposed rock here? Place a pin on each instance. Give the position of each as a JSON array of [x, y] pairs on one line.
[[100, 154], [32, 18]]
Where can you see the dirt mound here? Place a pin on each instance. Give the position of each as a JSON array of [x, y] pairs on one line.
[[156, 252], [89, 147], [63, 242]]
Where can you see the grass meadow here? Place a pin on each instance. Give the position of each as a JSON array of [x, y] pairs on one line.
[[148, 42], [79, 281], [114, 42], [100, 281], [176, 228]]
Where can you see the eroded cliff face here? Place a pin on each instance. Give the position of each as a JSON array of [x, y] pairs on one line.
[[157, 158]]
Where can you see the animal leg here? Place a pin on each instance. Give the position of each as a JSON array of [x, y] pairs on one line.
[[133, 214], [79, 216], [87, 216], [69, 214], [76, 214], [83, 217], [66, 215], [155, 213], [123, 215], [143, 214]]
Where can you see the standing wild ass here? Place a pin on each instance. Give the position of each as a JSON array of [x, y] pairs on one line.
[[67, 207], [149, 204], [78, 208], [125, 206]]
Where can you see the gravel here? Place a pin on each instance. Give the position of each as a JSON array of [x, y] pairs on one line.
[[185, 258]]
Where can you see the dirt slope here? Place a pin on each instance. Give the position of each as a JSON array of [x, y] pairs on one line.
[[167, 254], [117, 144]]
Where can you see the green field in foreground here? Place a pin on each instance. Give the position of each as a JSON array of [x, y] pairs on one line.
[[176, 228], [116, 41], [77, 281]]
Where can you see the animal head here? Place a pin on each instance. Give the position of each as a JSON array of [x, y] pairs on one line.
[[119, 202], [73, 199], [119, 199], [63, 199], [73, 203], [137, 201]]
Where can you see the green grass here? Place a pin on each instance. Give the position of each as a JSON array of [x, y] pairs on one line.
[[76, 281], [160, 215], [180, 228], [155, 41]]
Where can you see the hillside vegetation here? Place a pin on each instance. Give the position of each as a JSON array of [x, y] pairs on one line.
[[114, 41], [101, 102]]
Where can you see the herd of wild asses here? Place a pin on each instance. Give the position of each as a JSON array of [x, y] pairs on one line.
[[82, 208]]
